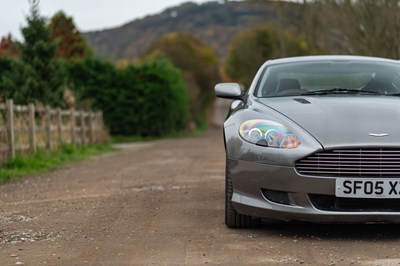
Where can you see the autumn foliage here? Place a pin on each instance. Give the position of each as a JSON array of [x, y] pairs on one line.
[[71, 44], [8, 47], [199, 65], [251, 48]]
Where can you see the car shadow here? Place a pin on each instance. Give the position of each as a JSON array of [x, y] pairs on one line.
[[365, 232]]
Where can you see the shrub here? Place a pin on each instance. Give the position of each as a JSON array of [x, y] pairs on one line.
[[141, 100], [155, 99], [199, 64]]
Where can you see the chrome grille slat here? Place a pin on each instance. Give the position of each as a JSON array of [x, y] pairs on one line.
[[351, 174], [352, 163], [348, 167], [369, 155], [305, 165], [364, 162], [366, 151]]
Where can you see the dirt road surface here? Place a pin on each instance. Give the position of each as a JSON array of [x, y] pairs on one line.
[[161, 203]]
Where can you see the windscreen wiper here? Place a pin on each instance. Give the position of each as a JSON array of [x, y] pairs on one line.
[[340, 91]]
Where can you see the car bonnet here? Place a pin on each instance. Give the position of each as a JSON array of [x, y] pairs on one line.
[[343, 121]]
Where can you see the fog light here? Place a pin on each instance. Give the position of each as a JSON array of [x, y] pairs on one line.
[[277, 196]]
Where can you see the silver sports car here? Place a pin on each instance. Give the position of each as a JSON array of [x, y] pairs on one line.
[[315, 139]]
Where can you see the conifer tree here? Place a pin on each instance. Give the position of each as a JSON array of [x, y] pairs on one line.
[[43, 76]]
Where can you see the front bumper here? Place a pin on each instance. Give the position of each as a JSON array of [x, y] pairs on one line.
[[249, 179]]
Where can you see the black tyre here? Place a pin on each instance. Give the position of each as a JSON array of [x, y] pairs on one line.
[[232, 218]]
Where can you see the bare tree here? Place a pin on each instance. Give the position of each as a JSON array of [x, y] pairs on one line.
[[367, 27]]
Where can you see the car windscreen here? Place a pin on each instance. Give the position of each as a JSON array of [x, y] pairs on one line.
[[329, 77]]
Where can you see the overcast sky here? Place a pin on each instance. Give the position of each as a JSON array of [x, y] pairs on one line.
[[87, 14]]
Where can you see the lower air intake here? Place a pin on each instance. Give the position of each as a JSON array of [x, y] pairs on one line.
[[333, 203]]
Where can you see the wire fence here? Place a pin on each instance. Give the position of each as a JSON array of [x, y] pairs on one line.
[[24, 129]]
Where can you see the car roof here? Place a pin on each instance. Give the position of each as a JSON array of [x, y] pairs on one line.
[[329, 58]]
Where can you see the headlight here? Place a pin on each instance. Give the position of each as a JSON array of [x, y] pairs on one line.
[[268, 133]]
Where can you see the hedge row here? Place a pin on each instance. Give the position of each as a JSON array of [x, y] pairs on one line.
[[140, 100]]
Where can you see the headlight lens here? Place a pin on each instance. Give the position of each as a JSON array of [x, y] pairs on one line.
[[268, 133]]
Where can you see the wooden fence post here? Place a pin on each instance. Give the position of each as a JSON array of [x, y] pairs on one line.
[[48, 127], [94, 125], [101, 126], [73, 131], [91, 129], [59, 127], [82, 117], [32, 127], [10, 127], [91, 132]]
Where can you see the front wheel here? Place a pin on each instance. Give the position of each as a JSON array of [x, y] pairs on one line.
[[232, 218]]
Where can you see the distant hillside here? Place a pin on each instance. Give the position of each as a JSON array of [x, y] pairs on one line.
[[213, 23]]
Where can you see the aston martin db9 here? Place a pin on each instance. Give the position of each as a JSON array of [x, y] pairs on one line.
[[314, 139]]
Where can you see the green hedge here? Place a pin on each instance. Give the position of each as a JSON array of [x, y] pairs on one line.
[[141, 100]]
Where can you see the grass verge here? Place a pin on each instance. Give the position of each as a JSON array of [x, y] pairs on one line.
[[44, 161]]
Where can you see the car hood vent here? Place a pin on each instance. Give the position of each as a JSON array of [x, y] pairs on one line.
[[301, 100]]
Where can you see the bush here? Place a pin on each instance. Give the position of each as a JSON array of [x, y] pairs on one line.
[[145, 100], [153, 102], [199, 64]]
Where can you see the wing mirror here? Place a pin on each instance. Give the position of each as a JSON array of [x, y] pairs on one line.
[[229, 91]]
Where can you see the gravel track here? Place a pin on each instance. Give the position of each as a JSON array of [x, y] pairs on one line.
[[161, 203]]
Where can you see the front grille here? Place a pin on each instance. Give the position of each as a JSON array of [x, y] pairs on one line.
[[333, 203], [352, 163]]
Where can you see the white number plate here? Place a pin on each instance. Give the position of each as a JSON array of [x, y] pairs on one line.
[[367, 188]]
